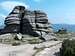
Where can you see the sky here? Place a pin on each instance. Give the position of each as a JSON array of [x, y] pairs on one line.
[[58, 11]]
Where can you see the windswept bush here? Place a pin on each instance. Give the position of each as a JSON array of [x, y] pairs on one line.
[[68, 48], [62, 31]]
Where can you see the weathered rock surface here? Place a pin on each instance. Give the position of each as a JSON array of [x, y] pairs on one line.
[[49, 49], [53, 51], [34, 23]]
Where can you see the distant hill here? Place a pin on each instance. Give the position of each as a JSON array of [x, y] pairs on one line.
[[70, 28]]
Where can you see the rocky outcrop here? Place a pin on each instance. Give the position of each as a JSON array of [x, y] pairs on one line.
[[12, 21], [24, 21]]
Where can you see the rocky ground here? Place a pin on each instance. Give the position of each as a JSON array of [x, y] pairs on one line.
[[32, 46], [49, 48]]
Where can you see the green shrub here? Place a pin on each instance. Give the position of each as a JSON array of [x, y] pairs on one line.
[[68, 48], [62, 31]]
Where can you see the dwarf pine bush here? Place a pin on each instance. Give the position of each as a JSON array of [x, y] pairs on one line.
[[68, 48]]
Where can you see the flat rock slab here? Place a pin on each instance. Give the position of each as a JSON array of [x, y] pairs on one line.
[[23, 50], [53, 51], [28, 49]]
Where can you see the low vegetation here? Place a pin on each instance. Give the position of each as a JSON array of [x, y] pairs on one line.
[[68, 48]]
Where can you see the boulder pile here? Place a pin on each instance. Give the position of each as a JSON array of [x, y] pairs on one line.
[[24, 21]]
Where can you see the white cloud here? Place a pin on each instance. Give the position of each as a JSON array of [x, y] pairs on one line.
[[2, 18], [70, 20], [57, 20], [63, 20], [9, 5]]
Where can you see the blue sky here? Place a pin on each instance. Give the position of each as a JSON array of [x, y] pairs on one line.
[[59, 11]]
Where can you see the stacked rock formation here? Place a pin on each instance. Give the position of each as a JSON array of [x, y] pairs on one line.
[[12, 21], [28, 23], [24, 21], [42, 25]]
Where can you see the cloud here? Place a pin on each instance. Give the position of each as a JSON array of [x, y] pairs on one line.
[[70, 20], [2, 18], [63, 20], [9, 5], [58, 20]]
